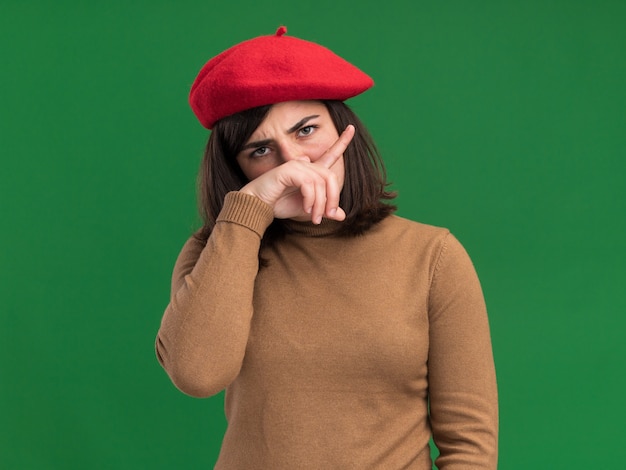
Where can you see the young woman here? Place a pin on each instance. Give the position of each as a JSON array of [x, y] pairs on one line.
[[345, 336]]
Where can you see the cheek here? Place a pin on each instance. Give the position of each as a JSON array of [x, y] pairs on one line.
[[316, 149]]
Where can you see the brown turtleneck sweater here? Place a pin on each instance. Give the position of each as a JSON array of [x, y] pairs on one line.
[[332, 354]]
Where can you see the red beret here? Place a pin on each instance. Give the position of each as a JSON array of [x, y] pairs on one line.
[[271, 69]]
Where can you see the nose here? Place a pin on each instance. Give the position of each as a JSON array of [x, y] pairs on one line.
[[291, 151]]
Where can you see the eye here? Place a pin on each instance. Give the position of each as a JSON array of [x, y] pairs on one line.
[[260, 152], [306, 131]]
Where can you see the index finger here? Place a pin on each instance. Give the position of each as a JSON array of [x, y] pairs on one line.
[[336, 150]]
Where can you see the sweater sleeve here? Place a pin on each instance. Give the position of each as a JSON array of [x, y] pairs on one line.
[[204, 330], [462, 382]]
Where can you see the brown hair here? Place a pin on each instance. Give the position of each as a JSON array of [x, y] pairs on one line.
[[365, 182]]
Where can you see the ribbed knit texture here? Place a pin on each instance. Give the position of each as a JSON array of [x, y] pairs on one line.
[[246, 210], [331, 354]]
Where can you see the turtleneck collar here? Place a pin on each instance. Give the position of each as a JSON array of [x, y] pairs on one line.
[[309, 229]]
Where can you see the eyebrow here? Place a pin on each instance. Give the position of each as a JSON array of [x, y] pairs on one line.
[[256, 144], [301, 123], [294, 128]]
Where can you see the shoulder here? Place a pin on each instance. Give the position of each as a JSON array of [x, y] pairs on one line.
[[395, 226], [406, 242], [435, 245]]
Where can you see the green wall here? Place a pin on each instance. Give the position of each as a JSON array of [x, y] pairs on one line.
[[504, 121]]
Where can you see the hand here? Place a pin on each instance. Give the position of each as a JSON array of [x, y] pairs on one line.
[[303, 189]]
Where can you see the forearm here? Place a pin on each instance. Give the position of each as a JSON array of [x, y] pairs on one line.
[[204, 331]]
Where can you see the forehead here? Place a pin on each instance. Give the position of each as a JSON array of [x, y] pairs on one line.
[[286, 114]]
